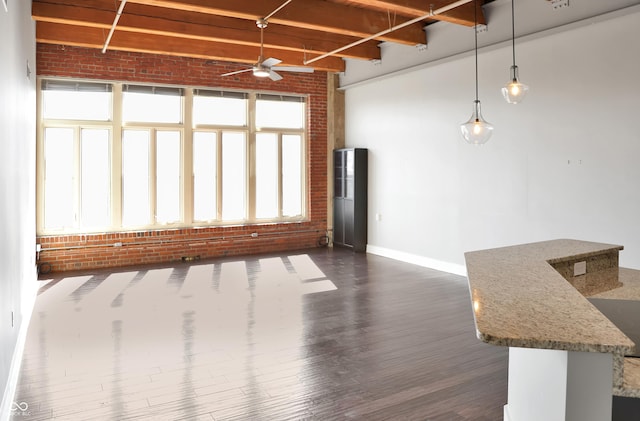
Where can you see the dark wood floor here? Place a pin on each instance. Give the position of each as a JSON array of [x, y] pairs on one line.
[[318, 335]]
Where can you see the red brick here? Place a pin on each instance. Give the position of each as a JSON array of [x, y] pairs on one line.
[[76, 62]]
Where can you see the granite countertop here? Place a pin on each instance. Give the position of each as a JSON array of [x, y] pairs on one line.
[[520, 300]]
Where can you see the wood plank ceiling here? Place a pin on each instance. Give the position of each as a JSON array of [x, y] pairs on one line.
[[226, 30]]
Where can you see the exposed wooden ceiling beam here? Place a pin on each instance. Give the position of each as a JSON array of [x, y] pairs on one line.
[[317, 15], [151, 20], [462, 15], [92, 37], [226, 30]]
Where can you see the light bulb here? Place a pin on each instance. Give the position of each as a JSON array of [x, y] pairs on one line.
[[477, 128], [476, 131], [514, 91]]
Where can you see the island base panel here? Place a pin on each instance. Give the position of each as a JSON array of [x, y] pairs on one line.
[[555, 385]]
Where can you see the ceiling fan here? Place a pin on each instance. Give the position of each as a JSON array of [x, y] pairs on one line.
[[264, 68]]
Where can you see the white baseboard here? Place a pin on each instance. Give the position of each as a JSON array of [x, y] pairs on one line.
[[28, 301], [418, 260], [506, 416]]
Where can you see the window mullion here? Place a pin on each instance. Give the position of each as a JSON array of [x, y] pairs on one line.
[[187, 198], [116, 158], [219, 175], [153, 160], [77, 183], [251, 163], [280, 175]]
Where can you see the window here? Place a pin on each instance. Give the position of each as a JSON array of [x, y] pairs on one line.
[[95, 178], [219, 108], [234, 177], [121, 157], [145, 152], [150, 104], [77, 178], [292, 175], [280, 111], [59, 178], [63, 100], [168, 176], [205, 176], [267, 175], [279, 175], [136, 192], [279, 156]]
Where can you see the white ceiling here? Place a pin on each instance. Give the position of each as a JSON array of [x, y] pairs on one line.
[[533, 18]]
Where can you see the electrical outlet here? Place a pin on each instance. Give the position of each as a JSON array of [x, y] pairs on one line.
[[580, 268], [559, 4]]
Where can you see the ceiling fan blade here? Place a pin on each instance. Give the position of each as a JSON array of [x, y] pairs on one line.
[[236, 72], [274, 76], [271, 62], [299, 69]]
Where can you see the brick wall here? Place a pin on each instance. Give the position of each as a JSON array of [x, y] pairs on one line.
[[71, 252]]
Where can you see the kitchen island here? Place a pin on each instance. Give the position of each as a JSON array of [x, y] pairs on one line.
[[566, 359]]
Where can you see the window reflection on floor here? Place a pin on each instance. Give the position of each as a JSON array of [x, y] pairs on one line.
[[133, 338]]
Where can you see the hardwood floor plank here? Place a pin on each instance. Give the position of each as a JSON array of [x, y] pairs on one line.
[[316, 335], [107, 290], [305, 268], [197, 281]]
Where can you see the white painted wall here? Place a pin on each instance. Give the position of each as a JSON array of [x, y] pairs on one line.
[[562, 164], [17, 188]]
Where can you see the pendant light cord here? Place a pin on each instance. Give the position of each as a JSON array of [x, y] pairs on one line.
[[475, 31], [513, 31]]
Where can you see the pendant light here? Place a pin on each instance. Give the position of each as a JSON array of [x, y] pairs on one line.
[[476, 131], [514, 91]]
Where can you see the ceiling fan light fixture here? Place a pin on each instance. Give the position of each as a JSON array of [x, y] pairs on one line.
[[261, 71]]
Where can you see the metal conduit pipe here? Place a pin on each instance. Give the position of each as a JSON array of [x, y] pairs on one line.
[[393, 28], [113, 26], [277, 10], [196, 240]]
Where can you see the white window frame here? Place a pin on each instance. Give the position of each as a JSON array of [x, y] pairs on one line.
[[186, 129]]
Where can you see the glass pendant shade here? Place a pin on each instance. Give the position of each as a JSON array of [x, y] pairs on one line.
[[514, 91], [476, 131]]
